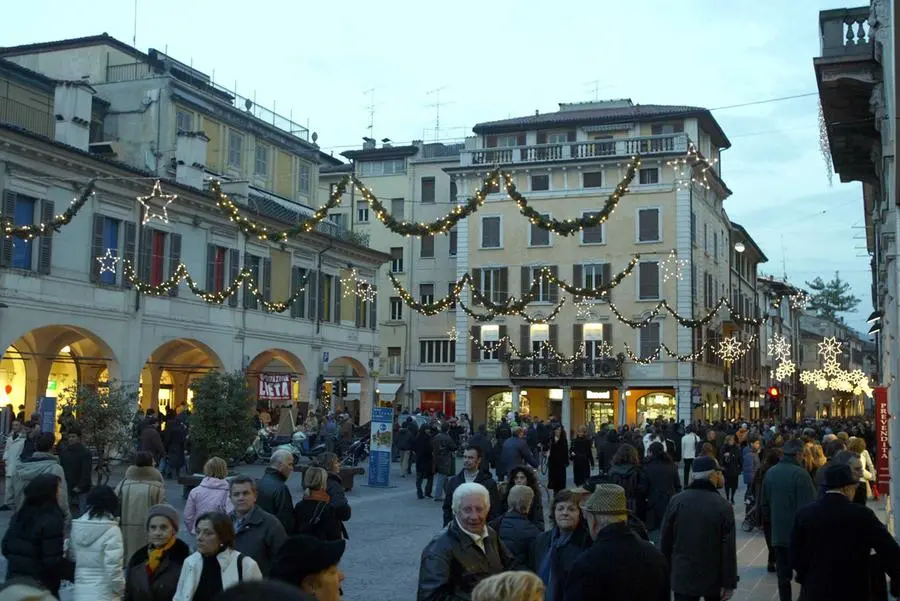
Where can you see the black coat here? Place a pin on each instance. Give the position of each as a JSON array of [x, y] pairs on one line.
[[273, 496], [731, 458], [633, 479], [335, 489], [535, 514], [513, 453], [442, 448], [557, 463], [828, 571], [327, 526], [33, 547], [424, 457], [518, 534], [174, 438], [483, 442], [698, 539], [582, 459], [607, 448], [619, 566], [139, 586], [452, 564], [664, 483], [76, 462], [565, 558], [483, 478]]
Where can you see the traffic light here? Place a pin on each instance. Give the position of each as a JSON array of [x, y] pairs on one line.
[[342, 388], [320, 387], [774, 393]]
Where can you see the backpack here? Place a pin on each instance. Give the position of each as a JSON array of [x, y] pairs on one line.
[[240, 567]]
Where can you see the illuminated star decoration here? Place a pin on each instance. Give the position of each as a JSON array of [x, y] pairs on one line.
[[584, 308], [830, 349], [365, 291], [779, 347], [730, 349], [352, 286], [452, 333], [150, 203], [799, 300], [673, 268], [108, 262]]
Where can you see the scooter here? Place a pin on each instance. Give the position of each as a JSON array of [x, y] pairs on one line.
[[356, 453]]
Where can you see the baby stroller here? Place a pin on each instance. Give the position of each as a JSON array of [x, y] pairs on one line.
[[751, 515]]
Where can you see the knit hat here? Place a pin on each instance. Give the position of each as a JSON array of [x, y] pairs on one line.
[[303, 555], [166, 511], [838, 475], [705, 463], [607, 499]]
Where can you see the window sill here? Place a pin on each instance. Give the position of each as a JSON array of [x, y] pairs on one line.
[[427, 258], [648, 300], [583, 243], [490, 248], [648, 241], [540, 246]]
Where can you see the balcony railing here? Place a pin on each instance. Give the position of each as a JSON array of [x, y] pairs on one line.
[[554, 369], [27, 117], [128, 72], [845, 32], [566, 151]]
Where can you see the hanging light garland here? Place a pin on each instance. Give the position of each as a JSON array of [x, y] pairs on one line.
[[693, 168], [663, 305], [29, 232], [485, 317], [657, 353]]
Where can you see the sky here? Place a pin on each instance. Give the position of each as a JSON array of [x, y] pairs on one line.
[[492, 60]]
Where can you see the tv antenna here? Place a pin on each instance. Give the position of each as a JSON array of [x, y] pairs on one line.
[[437, 104], [595, 87], [134, 31], [371, 108], [783, 259]]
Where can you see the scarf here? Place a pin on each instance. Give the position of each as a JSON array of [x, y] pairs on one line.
[[210, 583], [155, 556], [318, 495], [557, 539]]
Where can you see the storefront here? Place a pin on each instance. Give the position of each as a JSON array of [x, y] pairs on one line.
[[657, 405], [440, 401], [600, 406]]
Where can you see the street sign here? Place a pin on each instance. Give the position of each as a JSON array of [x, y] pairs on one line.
[[325, 357], [47, 411]]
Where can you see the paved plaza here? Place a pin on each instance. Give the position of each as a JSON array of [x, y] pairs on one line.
[[389, 528]]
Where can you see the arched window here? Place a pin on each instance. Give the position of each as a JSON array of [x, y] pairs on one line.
[[658, 404]]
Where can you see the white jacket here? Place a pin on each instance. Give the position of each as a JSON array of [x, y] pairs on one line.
[[193, 567], [689, 445], [98, 553], [12, 453], [868, 468]]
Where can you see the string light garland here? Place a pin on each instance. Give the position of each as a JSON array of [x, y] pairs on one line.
[[673, 268], [485, 317], [108, 261], [693, 168], [570, 227], [244, 277], [29, 232], [253, 229], [663, 347], [663, 305], [156, 204]]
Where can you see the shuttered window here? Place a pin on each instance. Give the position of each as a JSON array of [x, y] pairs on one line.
[[649, 339], [648, 280], [592, 235], [648, 225]]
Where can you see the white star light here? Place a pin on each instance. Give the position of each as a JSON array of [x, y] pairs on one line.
[[779, 347], [108, 262], [730, 349], [799, 300], [156, 197], [674, 268], [584, 308], [366, 291], [830, 349]]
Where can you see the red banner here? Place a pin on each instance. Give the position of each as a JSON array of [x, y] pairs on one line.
[[882, 438]]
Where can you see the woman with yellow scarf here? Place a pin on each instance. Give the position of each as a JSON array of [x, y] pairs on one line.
[[154, 570]]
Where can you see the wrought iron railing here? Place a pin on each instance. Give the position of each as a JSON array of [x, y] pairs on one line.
[[610, 368]]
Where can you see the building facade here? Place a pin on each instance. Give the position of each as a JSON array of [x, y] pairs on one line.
[[783, 304], [72, 313]]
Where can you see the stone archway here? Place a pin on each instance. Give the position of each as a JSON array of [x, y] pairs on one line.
[[48, 359], [279, 361], [170, 369], [361, 388]]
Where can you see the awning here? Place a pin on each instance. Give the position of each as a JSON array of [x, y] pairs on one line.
[[388, 390]]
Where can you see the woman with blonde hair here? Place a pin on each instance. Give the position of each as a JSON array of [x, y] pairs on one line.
[[510, 586], [211, 495], [314, 515]]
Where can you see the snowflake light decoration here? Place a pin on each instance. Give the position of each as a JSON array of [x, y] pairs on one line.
[[584, 308], [799, 300], [779, 347], [453, 333], [730, 349], [156, 204], [108, 261], [830, 349], [673, 268], [785, 370]]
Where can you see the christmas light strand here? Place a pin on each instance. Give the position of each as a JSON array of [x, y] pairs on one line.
[[485, 317], [29, 232], [663, 305], [693, 168]]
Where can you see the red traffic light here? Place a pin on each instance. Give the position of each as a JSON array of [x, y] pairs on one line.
[[773, 391]]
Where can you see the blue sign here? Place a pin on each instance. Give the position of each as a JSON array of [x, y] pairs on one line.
[[380, 443], [47, 411]]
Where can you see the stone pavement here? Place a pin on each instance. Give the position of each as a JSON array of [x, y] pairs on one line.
[[390, 527]]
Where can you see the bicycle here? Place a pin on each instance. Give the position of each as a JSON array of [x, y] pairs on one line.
[[543, 459]]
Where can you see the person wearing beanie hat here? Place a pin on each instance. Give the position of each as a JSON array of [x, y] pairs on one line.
[[827, 572], [311, 564], [154, 570], [619, 563]]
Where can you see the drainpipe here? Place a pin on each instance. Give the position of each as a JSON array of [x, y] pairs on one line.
[[318, 284]]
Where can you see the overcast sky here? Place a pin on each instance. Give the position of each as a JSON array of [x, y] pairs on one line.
[[494, 60]]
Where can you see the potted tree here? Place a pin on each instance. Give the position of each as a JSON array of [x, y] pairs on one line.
[[221, 421]]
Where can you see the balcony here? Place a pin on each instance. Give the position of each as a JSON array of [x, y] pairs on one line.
[[847, 74], [575, 151], [27, 117], [552, 369]]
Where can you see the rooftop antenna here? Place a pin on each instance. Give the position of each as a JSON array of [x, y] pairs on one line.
[[134, 31], [437, 110], [783, 259], [596, 87], [371, 108]]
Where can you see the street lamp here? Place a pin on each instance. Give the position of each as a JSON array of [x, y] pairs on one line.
[[739, 246]]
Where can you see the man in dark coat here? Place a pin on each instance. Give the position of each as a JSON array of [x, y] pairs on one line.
[[273, 494], [619, 566], [515, 452], [151, 441], [404, 440], [786, 488], [257, 533], [607, 446], [424, 461], [76, 462], [442, 448], [471, 472], [174, 438], [698, 537], [830, 572], [465, 552], [481, 440]]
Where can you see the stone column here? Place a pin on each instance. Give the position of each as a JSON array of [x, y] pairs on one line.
[[516, 397], [566, 416]]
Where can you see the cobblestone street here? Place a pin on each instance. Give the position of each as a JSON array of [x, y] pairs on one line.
[[390, 527]]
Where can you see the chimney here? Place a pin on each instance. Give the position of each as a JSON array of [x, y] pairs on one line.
[[190, 158], [368, 143], [385, 142], [72, 108]]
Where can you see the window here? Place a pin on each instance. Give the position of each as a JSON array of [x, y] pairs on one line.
[[453, 192], [491, 285], [375, 168], [427, 189], [22, 250], [218, 257], [558, 138], [433, 352], [235, 148], [427, 249], [397, 208], [338, 219], [394, 364], [491, 234], [715, 246], [592, 275], [111, 244], [649, 339], [397, 259], [540, 236], [592, 179], [507, 141], [648, 280], [648, 225], [543, 288], [667, 128], [490, 342], [592, 235], [694, 281], [649, 175], [303, 173], [326, 296], [453, 237], [452, 305], [157, 257], [426, 293], [262, 160], [362, 212], [539, 183], [396, 308], [693, 228], [184, 121], [706, 238]]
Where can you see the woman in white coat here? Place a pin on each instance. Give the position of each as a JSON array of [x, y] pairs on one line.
[[97, 549], [216, 565]]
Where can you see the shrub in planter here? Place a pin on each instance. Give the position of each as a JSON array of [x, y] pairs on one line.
[[221, 422]]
